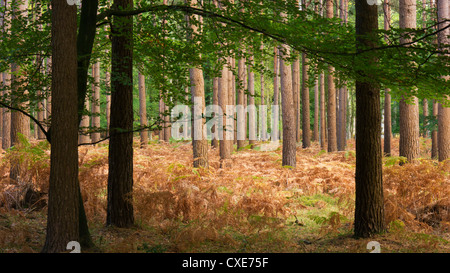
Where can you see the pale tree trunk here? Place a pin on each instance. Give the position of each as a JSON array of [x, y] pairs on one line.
[[240, 125], [387, 95], [262, 113], [306, 136], [84, 137], [143, 110], [425, 101], [434, 133], [251, 106], [409, 113], [225, 151], [331, 108], [214, 130], [276, 93], [343, 94], [6, 129], [199, 140], [108, 100], [443, 112], [316, 110], [95, 136], [20, 124], [323, 119], [63, 196]]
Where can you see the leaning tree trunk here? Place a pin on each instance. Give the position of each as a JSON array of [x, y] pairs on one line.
[[369, 203], [120, 175], [63, 196]]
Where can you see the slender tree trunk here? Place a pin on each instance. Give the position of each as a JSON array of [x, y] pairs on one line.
[[6, 129], [387, 95], [369, 203], [214, 130], [252, 135], [143, 110], [240, 126], [276, 94], [316, 110], [306, 136], [108, 100], [225, 151], [434, 133], [296, 94], [323, 120], [63, 220], [96, 103], [120, 174], [443, 112], [409, 113]]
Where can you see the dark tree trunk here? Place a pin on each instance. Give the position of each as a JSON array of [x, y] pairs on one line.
[[120, 176], [369, 204], [63, 199]]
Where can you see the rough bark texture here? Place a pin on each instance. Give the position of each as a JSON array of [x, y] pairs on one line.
[[288, 112], [387, 96], [143, 110], [63, 199], [323, 120], [120, 175], [369, 203], [316, 110], [443, 112], [296, 96], [331, 106], [409, 113]]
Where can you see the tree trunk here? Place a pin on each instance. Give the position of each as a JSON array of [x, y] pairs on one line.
[[240, 125], [296, 95], [387, 95], [434, 133], [96, 103], [6, 129], [409, 113], [288, 112], [369, 203], [323, 120], [120, 174], [252, 135], [143, 110], [306, 136], [225, 151], [276, 94], [214, 129], [316, 110], [63, 199], [443, 112], [331, 109]]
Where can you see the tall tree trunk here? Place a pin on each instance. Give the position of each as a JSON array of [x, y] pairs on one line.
[[331, 107], [387, 95], [276, 94], [316, 110], [323, 119], [409, 113], [225, 151], [288, 112], [95, 136], [296, 95], [240, 125], [199, 141], [434, 133], [120, 174], [306, 130], [143, 110], [443, 112], [252, 134], [369, 203], [6, 129], [63, 199], [214, 129]]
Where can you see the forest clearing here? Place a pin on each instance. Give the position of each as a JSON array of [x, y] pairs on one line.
[[255, 206]]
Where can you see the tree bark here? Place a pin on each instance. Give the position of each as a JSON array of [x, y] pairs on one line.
[[120, 175], [143, 110], [323, 120], [306, 130], [6, 129], [63, 199], [387, 95], [369, 203], [252, 135], [331, 106], [443, 112], [95, 136], [296, 96], [240, 125], [434, 133], [409, 113], [214, 130], [288, 112], [225, 151]]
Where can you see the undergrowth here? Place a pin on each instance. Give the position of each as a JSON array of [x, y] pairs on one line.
[[253, 206]]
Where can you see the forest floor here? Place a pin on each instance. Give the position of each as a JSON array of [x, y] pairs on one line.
[[251, 205]]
